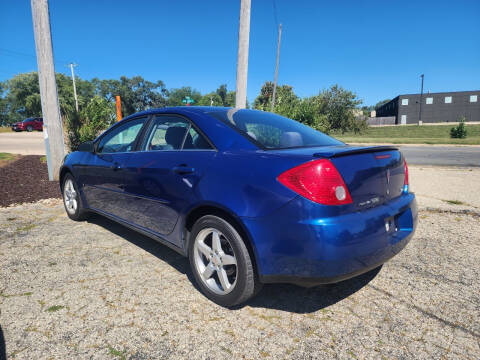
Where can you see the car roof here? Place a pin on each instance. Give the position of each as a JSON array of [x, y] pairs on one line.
[[180, 110]]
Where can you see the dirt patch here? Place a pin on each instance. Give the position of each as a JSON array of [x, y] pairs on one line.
[[26, 180]]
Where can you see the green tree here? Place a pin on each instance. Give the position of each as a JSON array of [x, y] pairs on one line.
[[211, 99], [338, 105], [263, 100], [380, 103], [136, 93], [177, 95]]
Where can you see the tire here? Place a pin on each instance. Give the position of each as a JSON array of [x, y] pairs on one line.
[[29, 128], [72, 200], [241, 276]]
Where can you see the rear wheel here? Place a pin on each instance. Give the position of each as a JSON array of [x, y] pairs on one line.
[[221, 263], [71, 199], [29, 128]]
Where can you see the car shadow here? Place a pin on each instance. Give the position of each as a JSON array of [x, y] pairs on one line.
[[162, 252], [301, 300], [284, 297], [3, 348]]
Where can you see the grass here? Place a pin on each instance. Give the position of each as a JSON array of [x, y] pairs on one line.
[[455, 202], [411, 134], [5, 129], [6, 158], [55, 308], [116, 353]]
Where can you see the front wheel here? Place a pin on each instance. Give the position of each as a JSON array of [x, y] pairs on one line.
[[29, 128], [221, 263], [71, 199]]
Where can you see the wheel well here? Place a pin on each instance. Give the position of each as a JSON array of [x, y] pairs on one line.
[[63, 172], [197, 213]]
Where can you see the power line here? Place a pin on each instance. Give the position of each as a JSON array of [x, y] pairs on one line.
[[14, 53]]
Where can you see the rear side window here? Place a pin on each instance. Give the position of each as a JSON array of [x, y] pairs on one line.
[[272, 131], [121, 138], [170, 132]]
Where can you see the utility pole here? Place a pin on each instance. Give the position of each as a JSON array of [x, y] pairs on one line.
[[276, 66], [242, 59], [421, 100], [52, 120], [74, 87]]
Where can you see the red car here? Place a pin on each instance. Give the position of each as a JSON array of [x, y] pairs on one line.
[[29, 124]]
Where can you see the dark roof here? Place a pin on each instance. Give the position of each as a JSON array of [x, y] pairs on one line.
[[441, 93]]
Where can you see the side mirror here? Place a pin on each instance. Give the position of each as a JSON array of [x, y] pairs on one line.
[[87, 146]]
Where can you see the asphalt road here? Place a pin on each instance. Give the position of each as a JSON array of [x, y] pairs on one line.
[[442, 155], [23, 143], [32, 144]]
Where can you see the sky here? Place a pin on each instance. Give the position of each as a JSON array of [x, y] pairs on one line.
[[377, 49]]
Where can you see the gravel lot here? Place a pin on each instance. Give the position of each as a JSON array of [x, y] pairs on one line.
[[97, 290]]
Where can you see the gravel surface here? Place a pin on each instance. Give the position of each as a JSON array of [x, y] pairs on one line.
[[99, 291]]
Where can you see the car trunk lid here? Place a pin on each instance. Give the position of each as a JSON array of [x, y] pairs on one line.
[[373, 175]]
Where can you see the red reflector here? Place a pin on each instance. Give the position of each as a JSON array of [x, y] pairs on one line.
[[382, 156], [406, 172], [319, 181]]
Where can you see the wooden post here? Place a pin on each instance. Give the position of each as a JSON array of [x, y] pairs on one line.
[[119, 107], [242, 59], [52, 120]]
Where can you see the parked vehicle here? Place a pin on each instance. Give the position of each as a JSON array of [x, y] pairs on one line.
[[250, 197], [29, 125]]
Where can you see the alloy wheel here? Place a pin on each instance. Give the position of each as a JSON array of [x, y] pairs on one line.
[[215, 261], [70, 197]]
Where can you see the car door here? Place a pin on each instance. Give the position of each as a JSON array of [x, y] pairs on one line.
[[162, 177], [103, 177]]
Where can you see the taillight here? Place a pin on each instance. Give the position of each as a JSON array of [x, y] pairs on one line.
[[319, 181], [405, 184]]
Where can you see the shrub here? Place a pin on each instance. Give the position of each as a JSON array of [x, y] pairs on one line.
[[89, 122], [459, 131]]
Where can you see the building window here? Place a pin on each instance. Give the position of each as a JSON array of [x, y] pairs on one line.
[[404, 101], [473, 98], [448, 99], [429, 100]]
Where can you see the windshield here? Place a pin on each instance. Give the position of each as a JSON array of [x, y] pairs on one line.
[[272, 131]]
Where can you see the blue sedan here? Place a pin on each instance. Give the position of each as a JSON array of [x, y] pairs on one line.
[[250, 197]]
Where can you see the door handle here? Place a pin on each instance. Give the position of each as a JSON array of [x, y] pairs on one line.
[[183, 169]]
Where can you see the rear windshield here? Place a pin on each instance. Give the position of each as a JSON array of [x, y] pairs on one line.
[[272, 131]]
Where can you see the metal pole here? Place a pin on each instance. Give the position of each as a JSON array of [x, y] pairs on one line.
[[421, 100], [74, 87], [52, 120], [276, 66], [242, 60]]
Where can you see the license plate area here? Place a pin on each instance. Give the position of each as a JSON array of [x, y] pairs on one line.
[[391, 225]]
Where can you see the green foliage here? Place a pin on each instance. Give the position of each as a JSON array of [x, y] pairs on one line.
[[380, 103], [136, 93], [332, 109], [459, 131], [177, 95], [89, 122], [210, 99]]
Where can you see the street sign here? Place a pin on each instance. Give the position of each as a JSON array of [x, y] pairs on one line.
[[188, 100]]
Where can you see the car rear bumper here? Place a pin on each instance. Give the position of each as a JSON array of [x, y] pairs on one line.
[[300, 244]]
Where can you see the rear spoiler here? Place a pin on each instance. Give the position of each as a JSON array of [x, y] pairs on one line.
[[353, 150]]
